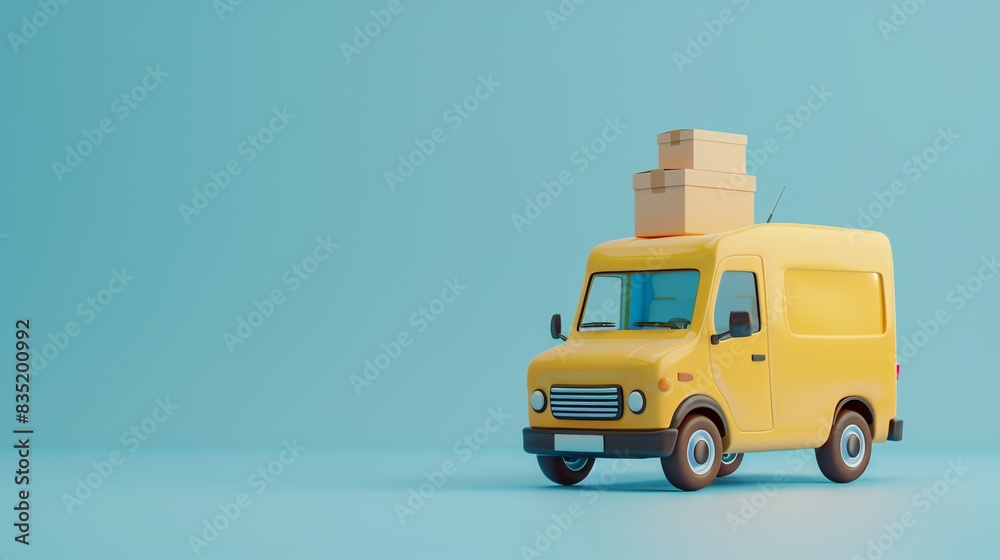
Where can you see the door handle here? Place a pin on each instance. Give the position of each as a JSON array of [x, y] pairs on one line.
[[758, 357]]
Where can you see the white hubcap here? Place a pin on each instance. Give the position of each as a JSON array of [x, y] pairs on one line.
[[728, 458], [852, 446], [575, 464], [700, 446]]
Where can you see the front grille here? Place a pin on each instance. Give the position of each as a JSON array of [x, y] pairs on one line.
[[586, 403]]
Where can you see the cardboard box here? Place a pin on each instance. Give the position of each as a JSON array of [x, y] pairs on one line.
[[691, 202], [704, 150], [695, 178]]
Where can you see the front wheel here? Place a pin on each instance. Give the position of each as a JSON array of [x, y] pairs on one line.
[[730, 462], [697, 456], [846, 453], [565, 470]]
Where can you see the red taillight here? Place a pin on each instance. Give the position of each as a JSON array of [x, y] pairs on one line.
[[897, 372]]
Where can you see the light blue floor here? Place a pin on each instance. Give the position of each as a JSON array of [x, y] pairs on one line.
[[342, 504]]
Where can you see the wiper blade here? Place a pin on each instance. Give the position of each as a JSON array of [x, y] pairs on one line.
[[657, 324], [598, 324]]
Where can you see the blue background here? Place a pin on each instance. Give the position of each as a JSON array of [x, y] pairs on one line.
[[355, 115]]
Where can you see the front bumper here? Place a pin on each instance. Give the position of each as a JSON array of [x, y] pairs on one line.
[[616, 443]]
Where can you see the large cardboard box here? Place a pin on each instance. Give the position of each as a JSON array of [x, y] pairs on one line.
[[703, 149], [691, 202]]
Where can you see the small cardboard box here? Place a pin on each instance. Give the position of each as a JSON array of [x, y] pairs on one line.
[[704, 150], [691, 202]]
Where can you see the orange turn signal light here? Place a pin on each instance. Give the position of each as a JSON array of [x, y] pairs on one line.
[[664, 384]]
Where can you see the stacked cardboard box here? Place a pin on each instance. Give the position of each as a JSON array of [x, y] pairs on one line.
[[700, 187]]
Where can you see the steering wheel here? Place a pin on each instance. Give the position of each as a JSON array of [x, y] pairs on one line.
[[681, 321]]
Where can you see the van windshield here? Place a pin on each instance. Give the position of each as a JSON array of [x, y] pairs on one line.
[[661, 299]]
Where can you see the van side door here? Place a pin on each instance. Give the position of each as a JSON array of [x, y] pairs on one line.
[[741, 366]]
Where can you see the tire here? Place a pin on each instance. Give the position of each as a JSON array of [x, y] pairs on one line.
[[845, 455], [565, 470], [697, 456], [728, 468]]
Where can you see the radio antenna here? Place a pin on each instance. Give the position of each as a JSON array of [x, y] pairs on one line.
[[775, 205]]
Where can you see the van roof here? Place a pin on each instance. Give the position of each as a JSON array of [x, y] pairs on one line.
[[802, 242]]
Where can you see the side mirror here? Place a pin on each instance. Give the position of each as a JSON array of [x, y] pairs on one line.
[[740, 324], [555, 327]]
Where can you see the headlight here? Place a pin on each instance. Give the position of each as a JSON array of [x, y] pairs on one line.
[[537, 400], [636, 402]]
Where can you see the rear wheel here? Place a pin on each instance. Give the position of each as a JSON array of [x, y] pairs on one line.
[[730, 462], [565, 470], [697, 456], [845, 455]]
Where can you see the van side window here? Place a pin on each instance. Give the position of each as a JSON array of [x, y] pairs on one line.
[[737, 292]]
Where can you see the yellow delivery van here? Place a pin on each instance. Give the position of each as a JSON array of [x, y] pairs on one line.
[[696, 349]]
